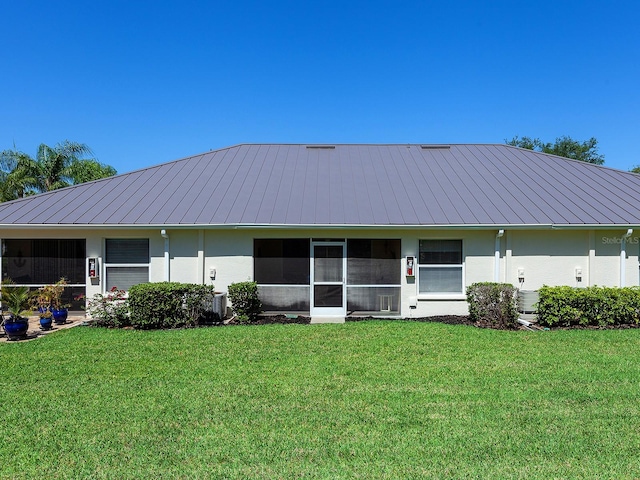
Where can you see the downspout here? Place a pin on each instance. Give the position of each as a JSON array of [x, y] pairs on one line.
[[623, 255], [496, 273], [166, 254]]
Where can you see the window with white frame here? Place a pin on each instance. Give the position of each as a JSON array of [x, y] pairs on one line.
[[126, 262], [440, 267]]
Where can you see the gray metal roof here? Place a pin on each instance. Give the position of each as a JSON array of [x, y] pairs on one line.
[[360, 185]]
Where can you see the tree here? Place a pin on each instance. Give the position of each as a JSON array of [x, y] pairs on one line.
[[586, 151], [17, 177], [635, 169], [88, 170], [53, 168]]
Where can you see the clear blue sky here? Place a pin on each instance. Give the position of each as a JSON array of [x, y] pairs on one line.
[[143, 83]]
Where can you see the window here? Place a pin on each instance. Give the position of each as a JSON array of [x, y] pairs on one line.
[[126, 262], [281, 268], [440, 267]]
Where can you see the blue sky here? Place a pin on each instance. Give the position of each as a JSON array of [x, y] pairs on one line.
[[143, 83]]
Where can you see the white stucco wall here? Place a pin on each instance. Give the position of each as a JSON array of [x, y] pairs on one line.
[[546, 256]]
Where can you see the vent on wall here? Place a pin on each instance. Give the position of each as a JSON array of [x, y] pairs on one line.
[[435, 147], [322, 147]]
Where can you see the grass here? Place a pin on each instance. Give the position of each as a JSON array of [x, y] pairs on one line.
[[375, 399]]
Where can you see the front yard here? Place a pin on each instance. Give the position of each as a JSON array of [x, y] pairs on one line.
[[373, 399]]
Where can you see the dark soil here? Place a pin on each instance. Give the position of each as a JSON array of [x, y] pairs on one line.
[[623, 326], [275, 319], [446, 319]]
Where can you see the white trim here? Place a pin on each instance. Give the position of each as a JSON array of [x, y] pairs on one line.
[[328, 311], [33, 285], [592, 258], [167, 258], [462, 266], [201, 257], [623, 256], [104, 265], [442, 296], [315, 226], [496, 271]]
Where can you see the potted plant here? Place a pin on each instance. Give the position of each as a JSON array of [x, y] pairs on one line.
[[41, 303], [58, 309], [17, 300]]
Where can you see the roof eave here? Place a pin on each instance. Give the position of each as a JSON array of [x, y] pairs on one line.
[[533, 226]]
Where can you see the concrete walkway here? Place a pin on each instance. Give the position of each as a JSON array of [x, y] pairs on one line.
[[327, 320], [35, 331]]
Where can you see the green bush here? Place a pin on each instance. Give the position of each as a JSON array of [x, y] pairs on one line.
[[595, 306], [169, 305], [245, 301], [493, 304]]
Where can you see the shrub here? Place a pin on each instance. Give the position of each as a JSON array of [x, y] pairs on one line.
[[595, 306], [245, 301], [493, 304], [110, 309], [169, 305]]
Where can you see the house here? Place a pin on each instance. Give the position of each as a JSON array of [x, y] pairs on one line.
[[335, 230]]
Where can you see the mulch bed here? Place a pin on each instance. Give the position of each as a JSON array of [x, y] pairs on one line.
[[275, 319], [446, 319]]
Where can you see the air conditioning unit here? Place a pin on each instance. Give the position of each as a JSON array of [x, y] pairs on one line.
[[527, 300], [215, 308], [219, 305]]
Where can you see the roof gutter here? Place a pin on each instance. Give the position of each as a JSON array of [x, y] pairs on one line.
[[280, 226]]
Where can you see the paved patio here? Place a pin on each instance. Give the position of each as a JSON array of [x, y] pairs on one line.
[[34, 327]]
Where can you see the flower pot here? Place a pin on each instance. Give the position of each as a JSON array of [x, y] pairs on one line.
[[60, 316], [16, 328], [45, 323]]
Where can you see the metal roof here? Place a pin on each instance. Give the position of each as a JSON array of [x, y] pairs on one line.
[[347, 185]]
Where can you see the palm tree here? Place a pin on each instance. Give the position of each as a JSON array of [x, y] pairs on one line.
[[53, 168], [18, 175]]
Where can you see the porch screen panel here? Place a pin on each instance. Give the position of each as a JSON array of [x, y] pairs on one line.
[[382, 300], [328, 264], [281, 261], [72, 261], [281, 267], [373, 262], [373, 276], [44, 261], [292, 298]]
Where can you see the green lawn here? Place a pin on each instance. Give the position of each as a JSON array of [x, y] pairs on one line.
[[377, 399]]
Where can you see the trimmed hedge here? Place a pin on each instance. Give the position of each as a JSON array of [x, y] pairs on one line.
[[245, 301], [493, 304], [595, 306], [170, 305]]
